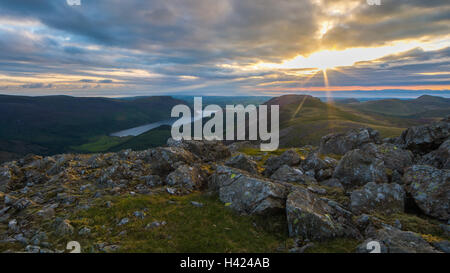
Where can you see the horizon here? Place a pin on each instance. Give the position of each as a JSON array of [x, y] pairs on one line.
[[228, 47]]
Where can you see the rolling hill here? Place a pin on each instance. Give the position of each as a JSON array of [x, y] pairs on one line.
[[52, 124], [304, 119]]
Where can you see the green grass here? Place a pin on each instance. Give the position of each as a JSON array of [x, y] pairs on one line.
[[100, 144], [212, 228]]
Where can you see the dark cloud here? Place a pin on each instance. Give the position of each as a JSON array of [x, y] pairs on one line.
[[187, 42]]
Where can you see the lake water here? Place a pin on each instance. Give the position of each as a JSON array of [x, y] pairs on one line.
[[147, 127]]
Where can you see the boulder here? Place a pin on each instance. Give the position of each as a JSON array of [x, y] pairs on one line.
[[383, 198], [293, 175], [313, 218], [342, 143], [185, 177], [359, 167], [430, 189], [332, 183], [426, 138], [439, 158], [166, 159], [323, 167], [392, 240], [247, 194], [205, 150], [289, 157], [243, 162]]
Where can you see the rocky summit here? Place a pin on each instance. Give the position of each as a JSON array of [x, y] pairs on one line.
[[192, 196]]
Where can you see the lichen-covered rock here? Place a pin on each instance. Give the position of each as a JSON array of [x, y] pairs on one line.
[[426, 138], [384, 198], [394, 158], [430, 189], [342, 143], [289, 157], [313, 218], [205, 150], [243, 162], [185, 177], [293, 175], [166, 159], [393, 240], [359, 167], [332, 183], [323, 167], [246, 194], [439, 158]]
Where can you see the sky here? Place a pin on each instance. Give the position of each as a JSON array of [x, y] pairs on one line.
[[228, 47]]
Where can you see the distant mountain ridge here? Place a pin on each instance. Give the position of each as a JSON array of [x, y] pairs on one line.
[[424, 106]]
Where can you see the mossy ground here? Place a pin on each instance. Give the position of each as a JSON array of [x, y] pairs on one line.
[[211, 228]]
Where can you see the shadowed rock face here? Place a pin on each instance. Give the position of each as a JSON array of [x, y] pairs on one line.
[[289, 174], [247, 194], [430, 188], [344, 142], [439, 158], [359, 167], [393, 240], [289, 157], [384, 198], [313, 218], [243, 162], [372, 163], [423, 139]]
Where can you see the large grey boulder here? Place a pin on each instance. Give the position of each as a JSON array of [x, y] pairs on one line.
[[430, 189], [322, 167], [359, 167], [289, 157], [426, 138], [384, 198], [205, 150], [372, 163], [341, 143], [247, 194], [439, 158], [166, 159], [313, 218], [292, 175], [185, 177], [392, 240], [243, 162]]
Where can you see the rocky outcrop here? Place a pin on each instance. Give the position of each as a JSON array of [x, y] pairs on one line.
[[243, 162], [185, 177], [342, 143], [293, 175], [289, 157], [439, 158], [426, 138], [166, 159], [430, 189], [359, 167], [313, 218], [372, 163], [246, 194], [322, 167], [383, 198], [392, 240], [205, 150]]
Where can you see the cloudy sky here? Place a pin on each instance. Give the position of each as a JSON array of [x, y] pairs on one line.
[[222, 47]]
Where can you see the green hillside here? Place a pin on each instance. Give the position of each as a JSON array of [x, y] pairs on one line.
[[53, 124], [422, 107], [305, 119]]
